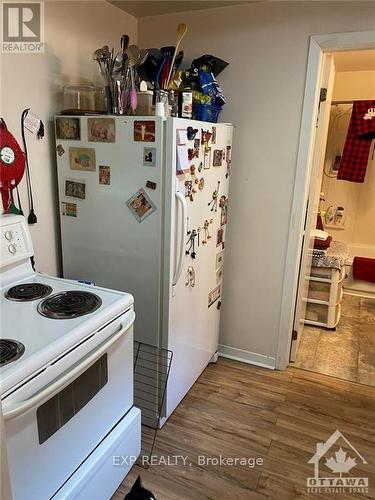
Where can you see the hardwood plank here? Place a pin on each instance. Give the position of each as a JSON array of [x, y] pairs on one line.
[[237, 410]]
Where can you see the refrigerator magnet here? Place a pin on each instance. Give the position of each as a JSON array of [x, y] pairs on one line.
[[82, 159], [206, 136], [151, 185], [190, 244], [140, 205], [206, 231], [75, 189], [149, 157], [213, 203], [191, 154], [60, 150], [218, 158], [214, 295], [220, 237], [144, 131], [213, 138], [197, 146], [191, 133], [104, 175], [68, 129], [219, 275], [68, 209], [207, 158], [101, 130], [219, 260]]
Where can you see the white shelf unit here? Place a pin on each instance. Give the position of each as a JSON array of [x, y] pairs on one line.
[[324, 297]]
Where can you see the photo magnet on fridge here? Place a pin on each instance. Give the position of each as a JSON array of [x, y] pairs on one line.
[[68, 129], [144, 131], [214, 295], [149, 157], [218, 158], [69, 209], [101, 129], [140, 205], [82, 159], [105, 175], [213, 139], [75, 189]]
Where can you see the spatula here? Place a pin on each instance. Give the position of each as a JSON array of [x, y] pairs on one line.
[[181, 32]]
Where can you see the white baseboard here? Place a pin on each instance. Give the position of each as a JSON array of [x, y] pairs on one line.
[[252, 358]]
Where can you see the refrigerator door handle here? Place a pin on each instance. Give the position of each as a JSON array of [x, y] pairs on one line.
[[180, 198]]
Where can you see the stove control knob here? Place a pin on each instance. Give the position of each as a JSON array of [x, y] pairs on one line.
[[12, 249], [8, 235]]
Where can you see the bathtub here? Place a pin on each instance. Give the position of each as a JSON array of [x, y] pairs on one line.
[[357, 287]]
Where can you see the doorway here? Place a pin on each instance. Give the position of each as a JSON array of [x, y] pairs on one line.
[[311, 153], [336, 313]]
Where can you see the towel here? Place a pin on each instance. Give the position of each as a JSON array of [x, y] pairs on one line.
[[364, 269], [322, 244], [360, 134]]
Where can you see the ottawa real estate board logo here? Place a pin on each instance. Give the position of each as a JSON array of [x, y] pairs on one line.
[[334, 462], [22, 27]]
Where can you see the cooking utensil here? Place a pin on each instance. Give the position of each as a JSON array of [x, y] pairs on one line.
[[181, 32]]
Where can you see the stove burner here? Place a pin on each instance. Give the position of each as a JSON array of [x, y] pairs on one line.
[[10, 350], [28, 291], [70, 304]]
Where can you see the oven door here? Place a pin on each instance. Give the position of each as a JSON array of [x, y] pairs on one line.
[[51, 432]]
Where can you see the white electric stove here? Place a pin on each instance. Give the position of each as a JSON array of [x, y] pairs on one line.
[[66, 379]]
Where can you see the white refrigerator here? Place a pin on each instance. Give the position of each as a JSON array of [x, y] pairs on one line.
[[143, 208]]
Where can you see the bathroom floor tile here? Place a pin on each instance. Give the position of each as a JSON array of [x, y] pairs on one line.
[[348, 352]]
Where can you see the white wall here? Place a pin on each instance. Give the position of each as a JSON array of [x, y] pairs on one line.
[[73, 30], [266, 45], [358, 199]]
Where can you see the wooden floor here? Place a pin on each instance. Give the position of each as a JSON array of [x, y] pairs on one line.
[[236, 410]]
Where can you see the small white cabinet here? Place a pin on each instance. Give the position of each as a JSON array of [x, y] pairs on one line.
[[324, 297]]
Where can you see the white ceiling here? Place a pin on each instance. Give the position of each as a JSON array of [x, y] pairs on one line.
[[155, 7], [358, 60]]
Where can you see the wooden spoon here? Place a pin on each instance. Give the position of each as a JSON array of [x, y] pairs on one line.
[[181, 32]]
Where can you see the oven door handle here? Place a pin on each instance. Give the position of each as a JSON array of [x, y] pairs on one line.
[[13, 410]]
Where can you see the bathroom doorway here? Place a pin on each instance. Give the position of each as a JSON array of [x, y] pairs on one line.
[[336, 310]]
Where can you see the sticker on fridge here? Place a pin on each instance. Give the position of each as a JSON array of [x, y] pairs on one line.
[[149, 157], [144, 131], [101, 129], [75, 189], [214, 295], [140, 205], [68, 129], [82, 159], [69, 209], [105, 175]]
